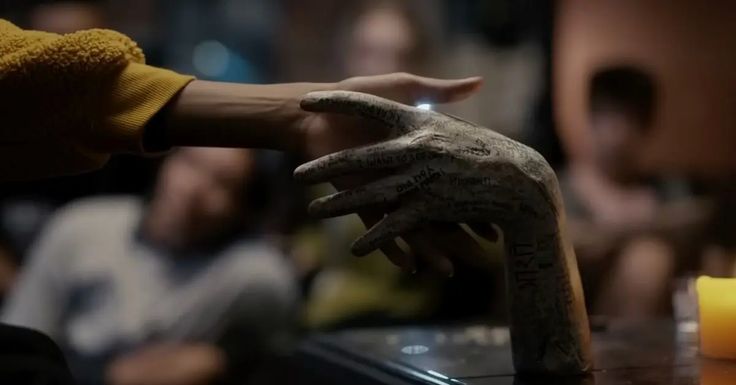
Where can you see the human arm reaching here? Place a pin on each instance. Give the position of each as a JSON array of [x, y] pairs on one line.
[[70, 101]]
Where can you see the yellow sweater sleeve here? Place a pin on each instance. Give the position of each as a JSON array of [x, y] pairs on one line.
[[69, 101]]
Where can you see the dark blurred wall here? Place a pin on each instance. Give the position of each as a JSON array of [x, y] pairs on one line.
[[690, 47]]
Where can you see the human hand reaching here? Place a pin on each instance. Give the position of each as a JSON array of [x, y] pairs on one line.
[[321, 134], [216, 114]]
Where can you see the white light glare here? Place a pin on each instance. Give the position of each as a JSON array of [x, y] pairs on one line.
[[440, 375]]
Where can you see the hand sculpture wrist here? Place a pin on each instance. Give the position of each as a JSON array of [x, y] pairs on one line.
[[548, 320]]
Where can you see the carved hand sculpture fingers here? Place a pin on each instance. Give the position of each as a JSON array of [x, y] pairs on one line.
[[395, 115], [403, 259], [402, 119], [384, 155], [425, 146]]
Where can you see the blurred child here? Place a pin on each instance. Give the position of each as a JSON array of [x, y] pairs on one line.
[[628, 227]]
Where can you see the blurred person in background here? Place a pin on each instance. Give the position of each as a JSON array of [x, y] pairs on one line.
[[67, 16], [384, 36], [373, 37], [178, 290], [377, 37], [631, 231]]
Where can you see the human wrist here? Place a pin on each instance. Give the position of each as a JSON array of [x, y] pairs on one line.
[[237, 115], [291, 116]]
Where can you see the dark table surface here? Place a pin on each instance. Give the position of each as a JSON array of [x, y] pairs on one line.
[[624, 353]]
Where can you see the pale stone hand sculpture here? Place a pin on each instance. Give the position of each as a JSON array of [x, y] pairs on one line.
[[447, 169]]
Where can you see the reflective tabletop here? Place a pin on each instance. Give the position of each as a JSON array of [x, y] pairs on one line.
[[624, 353]]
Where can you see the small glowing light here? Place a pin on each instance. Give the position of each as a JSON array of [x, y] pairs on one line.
[[424, 106], [414, 349], [440, 375], [211, 58]]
